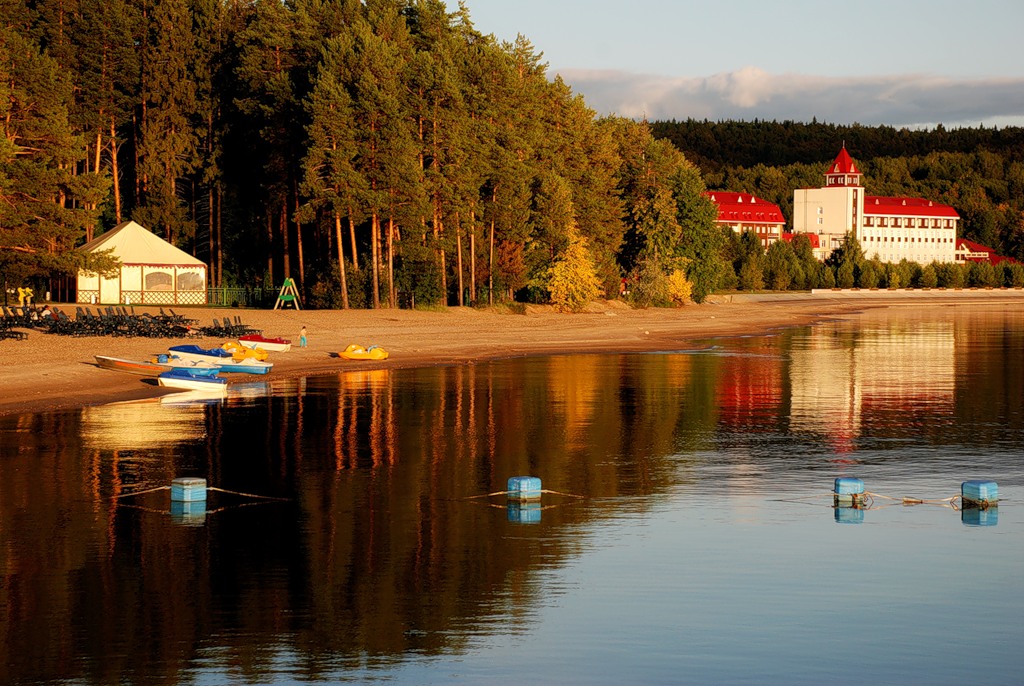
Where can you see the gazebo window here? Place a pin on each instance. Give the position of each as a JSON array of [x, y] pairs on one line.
[[159, 281], [191, 281]]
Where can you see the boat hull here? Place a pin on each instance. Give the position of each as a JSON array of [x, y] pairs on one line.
[[187, 380], [274, 345], [246, 366], [131, 366], [358, 352]]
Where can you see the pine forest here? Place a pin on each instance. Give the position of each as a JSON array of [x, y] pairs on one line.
[[384, 153]]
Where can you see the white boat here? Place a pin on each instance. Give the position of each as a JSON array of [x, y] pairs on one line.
[[248, 365], [198, 354], [185, 379], [222, 358]]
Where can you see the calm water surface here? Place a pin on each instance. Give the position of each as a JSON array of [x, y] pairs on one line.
[[691, 537]]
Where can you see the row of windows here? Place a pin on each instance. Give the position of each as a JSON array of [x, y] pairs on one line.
[[911, 239], [908, 222], [922, 258]]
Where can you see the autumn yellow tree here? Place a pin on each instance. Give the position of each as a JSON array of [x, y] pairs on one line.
[[680, 289], [572, 279]]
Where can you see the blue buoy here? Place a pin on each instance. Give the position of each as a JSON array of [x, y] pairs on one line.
[[849, 491], [979, 494], [524, 488], [188, 489]]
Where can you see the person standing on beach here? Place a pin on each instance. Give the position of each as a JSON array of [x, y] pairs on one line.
[[302, 338]]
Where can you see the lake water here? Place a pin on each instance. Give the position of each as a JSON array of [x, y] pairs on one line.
[[689, 536]]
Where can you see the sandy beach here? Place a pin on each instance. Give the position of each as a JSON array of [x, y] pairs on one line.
[[49, 371]]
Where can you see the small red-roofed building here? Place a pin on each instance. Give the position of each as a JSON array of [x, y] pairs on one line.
[[891, 229], [744, 212], [969, 251]]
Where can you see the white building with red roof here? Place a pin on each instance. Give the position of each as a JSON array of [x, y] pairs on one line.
[[891, 229], [744, 212]]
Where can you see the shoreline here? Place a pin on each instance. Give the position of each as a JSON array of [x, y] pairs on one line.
[[53, 372]]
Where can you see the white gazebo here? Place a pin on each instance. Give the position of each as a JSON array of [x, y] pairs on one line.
[[153, 272]]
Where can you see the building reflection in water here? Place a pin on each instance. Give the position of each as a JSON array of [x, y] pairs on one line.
[[840, 376]]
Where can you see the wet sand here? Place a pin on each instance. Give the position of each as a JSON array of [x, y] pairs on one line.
[[49, 371]]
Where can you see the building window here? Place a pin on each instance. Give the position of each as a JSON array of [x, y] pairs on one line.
[[820, 220]]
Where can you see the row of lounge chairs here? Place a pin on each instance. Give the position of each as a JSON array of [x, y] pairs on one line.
[[114, 321], [226, 328], [12, 319]]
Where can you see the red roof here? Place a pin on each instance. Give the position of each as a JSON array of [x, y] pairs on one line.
[[964, 244], [877, 205], [744, 207], [843, 164]]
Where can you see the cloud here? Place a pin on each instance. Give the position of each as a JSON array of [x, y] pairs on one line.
[[749, 93]]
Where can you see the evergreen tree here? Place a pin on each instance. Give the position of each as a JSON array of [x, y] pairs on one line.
[[779, 261], [701, 240], [269, 137], [869, 275], [929, 279], [330, 177], [167, 145], [385, 139], [39, 221], [107, 78]]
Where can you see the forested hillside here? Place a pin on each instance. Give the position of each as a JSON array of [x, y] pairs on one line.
[[380, 152], [978, 171]]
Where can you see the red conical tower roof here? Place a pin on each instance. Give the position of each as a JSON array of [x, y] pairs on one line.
[[844, 164], [842, 172]]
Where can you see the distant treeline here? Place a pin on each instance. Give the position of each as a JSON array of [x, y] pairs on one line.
[[713, 145], [977, 171]]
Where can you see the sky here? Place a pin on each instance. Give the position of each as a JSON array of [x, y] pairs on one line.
[[902, 63]]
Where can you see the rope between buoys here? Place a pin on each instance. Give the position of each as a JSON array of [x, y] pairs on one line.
[[829, 494], [568, 495], [485, 495], [491, 495], [915, 501], [150, 490], [247, 495]]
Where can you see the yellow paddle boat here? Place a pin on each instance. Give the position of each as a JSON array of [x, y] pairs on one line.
[[240, 352], [358, 352]]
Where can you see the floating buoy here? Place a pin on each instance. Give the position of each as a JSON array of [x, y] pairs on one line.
[[979, 494], [524, 488], [188, 490], [523, 511], [849, 492]]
